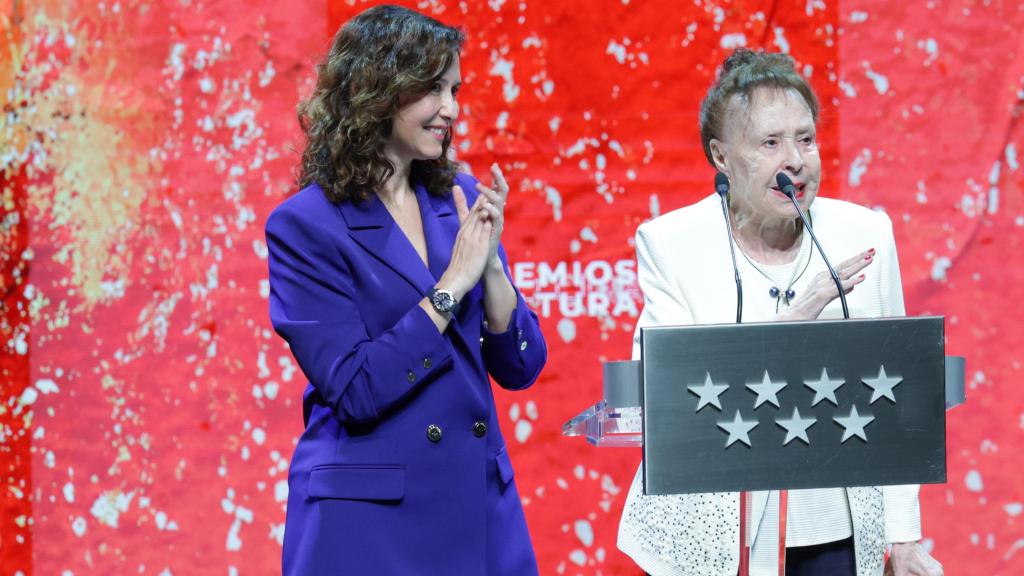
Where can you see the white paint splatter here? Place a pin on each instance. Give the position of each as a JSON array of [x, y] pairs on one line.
[[281, 491], [858, 16], [859, 166], [617, 51], [28, 397], [880, 81], [780, 40], [578, 557], [733, 41], [109, 506], [69, 492], [277, 533], [523, 430], [270, 390], [502, 68], [554, 198], [585, 532], [78, 526], [567, 330], [939, 267], [922, 196], [1011, 157], [973, 481], [931, 47], [47, 386], [1014, 508], [587, 235]]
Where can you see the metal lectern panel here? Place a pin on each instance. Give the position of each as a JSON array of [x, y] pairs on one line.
[[790, 405]]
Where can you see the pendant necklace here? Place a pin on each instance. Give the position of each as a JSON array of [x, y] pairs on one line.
[[796, 272]]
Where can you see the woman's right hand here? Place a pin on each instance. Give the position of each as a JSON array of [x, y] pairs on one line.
[[822, 289], [472, 244]]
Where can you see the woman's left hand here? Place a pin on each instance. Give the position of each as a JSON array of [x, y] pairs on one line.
[[495, 197], [910, 559]]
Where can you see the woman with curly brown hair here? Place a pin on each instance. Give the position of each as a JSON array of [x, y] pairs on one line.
[[389, 283]]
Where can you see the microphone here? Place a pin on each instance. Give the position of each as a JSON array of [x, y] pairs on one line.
[[786, 185], [722, 188]]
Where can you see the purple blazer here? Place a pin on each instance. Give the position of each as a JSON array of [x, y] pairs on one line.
[[402, 468]]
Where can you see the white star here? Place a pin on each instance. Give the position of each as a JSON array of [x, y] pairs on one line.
[[824, 388], [738, 429], [767, 391], [708, 392], [854, 424], [796, 427], [882, 385]]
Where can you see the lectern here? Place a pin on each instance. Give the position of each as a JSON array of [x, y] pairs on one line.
[[782, 405]]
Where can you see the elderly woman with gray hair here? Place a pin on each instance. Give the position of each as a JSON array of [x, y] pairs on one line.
[[757, 121]]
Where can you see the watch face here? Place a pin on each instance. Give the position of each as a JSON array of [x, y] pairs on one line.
[[442, 300]]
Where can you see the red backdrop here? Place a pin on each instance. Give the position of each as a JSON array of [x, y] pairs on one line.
[[148, 412]]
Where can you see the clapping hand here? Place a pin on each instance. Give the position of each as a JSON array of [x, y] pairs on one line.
[[494, 199], [822, 289]]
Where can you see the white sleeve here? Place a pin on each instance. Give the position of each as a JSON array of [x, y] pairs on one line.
[[902, 505], [664, 304]]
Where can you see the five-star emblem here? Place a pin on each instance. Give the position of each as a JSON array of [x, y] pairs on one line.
[[854, 424], [708, 392], [882, 385], [824, 388], [738, 429], [796, 427], [767, 391]]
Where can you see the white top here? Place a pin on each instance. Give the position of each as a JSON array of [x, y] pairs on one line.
[[813, 516], [685, 272]]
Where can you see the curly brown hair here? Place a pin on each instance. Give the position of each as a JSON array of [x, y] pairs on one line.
[[742, 72], [380, 59]]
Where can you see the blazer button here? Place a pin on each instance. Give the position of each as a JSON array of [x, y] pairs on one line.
[[434, 433], [427, 363], [410, 376], [522, 345], [479, 429]]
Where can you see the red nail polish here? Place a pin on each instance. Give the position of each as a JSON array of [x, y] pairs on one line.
[[869, 256]]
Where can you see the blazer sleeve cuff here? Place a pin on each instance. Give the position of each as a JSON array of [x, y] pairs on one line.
[[515, 357], [902, 513], [412, 353]]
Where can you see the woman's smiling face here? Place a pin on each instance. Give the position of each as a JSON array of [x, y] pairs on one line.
[[421, 126]]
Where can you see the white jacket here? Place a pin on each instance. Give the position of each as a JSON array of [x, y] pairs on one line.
[[686, 275]]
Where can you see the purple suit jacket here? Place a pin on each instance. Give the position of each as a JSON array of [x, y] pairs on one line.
[[402, 468]]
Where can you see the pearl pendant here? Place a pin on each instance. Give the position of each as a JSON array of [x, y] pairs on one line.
[[789, 294]]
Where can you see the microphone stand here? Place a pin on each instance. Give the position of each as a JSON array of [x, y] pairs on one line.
[[790, 191], [732, 252]]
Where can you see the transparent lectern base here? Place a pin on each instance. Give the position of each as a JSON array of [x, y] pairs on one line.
[[605, 426]]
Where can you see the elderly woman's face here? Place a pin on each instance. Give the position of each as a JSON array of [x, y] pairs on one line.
[[772, 133]]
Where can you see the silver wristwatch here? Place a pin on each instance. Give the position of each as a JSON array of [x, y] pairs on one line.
[[443, 301]]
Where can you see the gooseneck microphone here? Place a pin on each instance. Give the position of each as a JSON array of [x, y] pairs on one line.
[[786, 185], [722, 188]]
